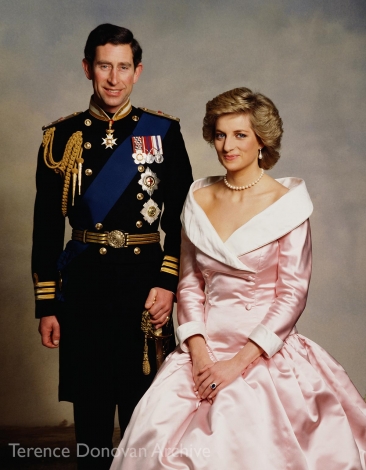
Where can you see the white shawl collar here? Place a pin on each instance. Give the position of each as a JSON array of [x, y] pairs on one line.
[[287, 213]]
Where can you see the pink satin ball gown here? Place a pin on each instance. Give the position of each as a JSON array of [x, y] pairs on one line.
[[294, 408]]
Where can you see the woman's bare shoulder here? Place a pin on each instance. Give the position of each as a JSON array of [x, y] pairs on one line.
[[205, 195], [275, 188]]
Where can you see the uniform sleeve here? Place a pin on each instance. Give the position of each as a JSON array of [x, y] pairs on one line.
[[191, 296], [294, 271], [48, 237], [176, 182]]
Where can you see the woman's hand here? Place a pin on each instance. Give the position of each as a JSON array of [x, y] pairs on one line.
[[198, 365], [220, 373]]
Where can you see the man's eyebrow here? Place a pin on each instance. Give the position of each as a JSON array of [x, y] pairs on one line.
[[101, 62]]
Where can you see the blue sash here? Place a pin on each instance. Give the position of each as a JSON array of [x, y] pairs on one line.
[[117, 173], [110, 184]]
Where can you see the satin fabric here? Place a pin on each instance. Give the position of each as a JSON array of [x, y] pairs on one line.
[[294, 407]]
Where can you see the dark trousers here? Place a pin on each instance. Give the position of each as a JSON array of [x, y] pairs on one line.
[[101, 351], [94, 426]]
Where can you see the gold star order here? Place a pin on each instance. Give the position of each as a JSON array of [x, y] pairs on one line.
[[109, 141]]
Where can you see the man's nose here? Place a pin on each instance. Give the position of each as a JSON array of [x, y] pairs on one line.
[[112, 78]]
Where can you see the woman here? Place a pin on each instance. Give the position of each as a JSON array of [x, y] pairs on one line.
[[244, 390]]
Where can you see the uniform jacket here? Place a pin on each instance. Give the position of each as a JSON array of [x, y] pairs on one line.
[[87, 131]]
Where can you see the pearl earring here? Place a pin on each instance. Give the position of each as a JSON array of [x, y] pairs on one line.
[[260, 156]]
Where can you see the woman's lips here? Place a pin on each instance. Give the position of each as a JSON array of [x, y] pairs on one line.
[[230, 157]]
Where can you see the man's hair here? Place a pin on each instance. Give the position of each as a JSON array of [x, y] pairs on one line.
[[263, 115], [111, 34]]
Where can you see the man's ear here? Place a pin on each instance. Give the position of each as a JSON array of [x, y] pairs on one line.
[[139, 68], [88, 69]]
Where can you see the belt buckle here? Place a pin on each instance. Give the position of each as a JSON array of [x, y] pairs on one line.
[[117, 239]]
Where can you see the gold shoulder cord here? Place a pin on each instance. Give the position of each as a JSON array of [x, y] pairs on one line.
[[70, 164]]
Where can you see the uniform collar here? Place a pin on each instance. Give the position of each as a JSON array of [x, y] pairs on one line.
[[280, 218], [99, 113]]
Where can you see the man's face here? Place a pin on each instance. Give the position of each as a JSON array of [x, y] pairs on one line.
[[113, 75]]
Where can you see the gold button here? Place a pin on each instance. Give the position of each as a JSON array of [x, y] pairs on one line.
[[139, 224], [140, 196], [103, 250], [137, 250], [87, 145], [88, 172], [87, 122], [151, 211], [141, 168], [135, 118], [99, 226]]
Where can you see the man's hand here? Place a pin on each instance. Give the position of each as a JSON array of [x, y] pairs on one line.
[[49, 329], [159, 303]]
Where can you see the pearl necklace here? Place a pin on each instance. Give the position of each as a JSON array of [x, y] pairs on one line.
[[240, 188]]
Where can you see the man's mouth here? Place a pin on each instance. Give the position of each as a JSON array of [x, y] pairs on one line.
[[112, 91]]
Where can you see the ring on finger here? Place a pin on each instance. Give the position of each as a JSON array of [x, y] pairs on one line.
[[167, 318], [213, 386]]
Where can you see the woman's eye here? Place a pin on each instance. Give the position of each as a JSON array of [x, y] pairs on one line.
[[241, 135], [219, 135]]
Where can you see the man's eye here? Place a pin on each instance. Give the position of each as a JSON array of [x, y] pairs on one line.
[[104, 67]]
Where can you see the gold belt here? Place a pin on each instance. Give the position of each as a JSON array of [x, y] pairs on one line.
[[115, 238]]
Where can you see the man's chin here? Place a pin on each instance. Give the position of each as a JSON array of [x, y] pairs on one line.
[[112, 105], [109, 104]]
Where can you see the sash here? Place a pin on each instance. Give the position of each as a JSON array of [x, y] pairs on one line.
[[110, 184], [117, 173]]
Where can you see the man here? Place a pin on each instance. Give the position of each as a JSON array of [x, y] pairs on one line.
[[116, 171]]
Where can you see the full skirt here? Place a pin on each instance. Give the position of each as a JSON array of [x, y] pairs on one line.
[[297, 410]]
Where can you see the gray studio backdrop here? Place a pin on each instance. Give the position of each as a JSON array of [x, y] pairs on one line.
[[308, 56]]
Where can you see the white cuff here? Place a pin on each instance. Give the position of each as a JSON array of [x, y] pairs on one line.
[[266, 339], [189, 329]]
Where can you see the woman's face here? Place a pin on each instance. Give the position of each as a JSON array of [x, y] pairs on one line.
[[235, 142]]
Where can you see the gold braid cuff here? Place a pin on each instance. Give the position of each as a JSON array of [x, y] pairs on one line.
[[67, 164], [45, 290], [170, 265]]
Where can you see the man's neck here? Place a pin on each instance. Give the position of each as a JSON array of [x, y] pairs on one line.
[[98, 112]]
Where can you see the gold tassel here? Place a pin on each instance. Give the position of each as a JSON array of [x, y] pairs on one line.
[[146, 369]]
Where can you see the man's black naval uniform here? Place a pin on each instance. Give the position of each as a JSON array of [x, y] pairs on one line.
[[95, 287]]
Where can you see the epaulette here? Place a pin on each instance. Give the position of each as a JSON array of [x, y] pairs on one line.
[[160, 113], [59, 120]]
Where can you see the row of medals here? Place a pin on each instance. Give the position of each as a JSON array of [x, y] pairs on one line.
[[149, 180]]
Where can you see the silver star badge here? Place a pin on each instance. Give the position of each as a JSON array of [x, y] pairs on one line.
[[109, 141], [149, 181], [150, 211]]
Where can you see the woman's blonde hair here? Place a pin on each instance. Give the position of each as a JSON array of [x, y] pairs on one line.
[[263, 114]]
